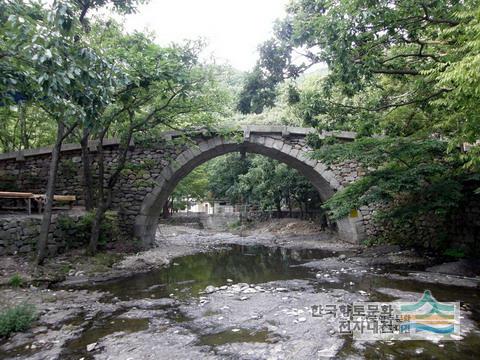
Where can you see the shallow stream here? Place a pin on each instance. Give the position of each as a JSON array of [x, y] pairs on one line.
[[186, 278]]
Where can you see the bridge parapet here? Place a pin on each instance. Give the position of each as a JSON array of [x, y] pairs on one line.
[[284, 131]]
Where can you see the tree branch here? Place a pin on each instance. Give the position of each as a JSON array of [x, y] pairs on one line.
[[396, 71], [429, 19]]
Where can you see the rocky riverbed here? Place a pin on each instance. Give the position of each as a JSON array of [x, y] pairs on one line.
[[209, 295]]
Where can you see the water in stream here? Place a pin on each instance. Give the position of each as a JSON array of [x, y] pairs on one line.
[[187, 276]]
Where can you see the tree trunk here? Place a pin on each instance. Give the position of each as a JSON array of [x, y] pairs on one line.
[[104, 203], [101, 206], [52, 177], [22, 110], [87, 171], [96, 228], [290, 207], [166, 209], [279, 209]]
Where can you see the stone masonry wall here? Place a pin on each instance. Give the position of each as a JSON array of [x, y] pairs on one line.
[[464, 229], [143, 166], [19, 234]]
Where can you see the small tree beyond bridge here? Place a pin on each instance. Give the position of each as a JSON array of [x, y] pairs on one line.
[[154, 169]]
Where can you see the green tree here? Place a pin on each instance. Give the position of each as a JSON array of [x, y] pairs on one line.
[[396, 67], [223, 174], [165, 88], [405, 70], [192, 188], [46, 60], [58, 76], [260, 181]]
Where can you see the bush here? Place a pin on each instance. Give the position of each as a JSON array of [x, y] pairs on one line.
[[454, 253], [16, 281], [77, 233], [18, 318]]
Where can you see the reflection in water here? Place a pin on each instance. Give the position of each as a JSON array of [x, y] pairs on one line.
[[236, 335], [191, 274], [106, 327]]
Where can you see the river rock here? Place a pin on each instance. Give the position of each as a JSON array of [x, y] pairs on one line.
[[210, 289], [469, 268]]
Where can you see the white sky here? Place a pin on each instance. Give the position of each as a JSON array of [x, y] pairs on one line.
[[233, 29]]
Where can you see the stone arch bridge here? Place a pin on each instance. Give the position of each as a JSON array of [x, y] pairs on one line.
[[153, 170]]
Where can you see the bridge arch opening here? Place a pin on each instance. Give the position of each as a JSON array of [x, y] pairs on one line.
[[245, 185], [324, 181]]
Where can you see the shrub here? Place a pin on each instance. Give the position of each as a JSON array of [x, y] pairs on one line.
[[65, 268], [77, 233], [18, 318], [455, 253], [16, 281]]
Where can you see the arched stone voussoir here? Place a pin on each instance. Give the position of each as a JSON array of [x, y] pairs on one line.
[[257, 139], [278, 144], [195, 149], [166, 173], [151, 198], [186, 156], [286, 148], [269, 142], [145, 228]]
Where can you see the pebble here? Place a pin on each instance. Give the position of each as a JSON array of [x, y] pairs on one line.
[[210, 289], [91, 347]]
